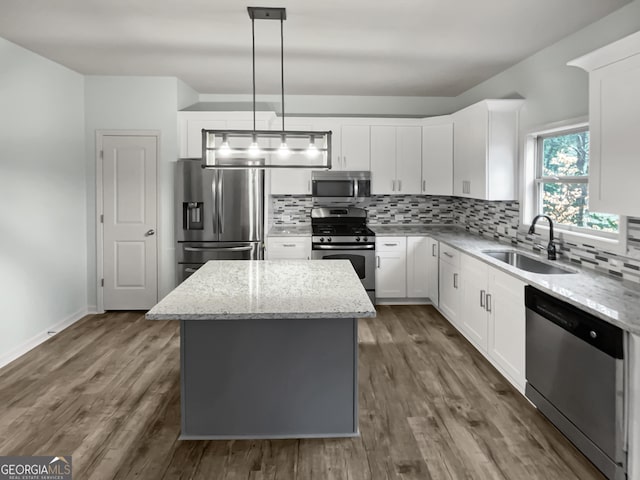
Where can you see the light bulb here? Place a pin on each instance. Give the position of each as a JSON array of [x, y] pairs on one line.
[[254, 149], [225, 149], [284, 151], [312, 150]]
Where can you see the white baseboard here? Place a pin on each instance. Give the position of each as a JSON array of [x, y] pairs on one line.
[[37, 339]]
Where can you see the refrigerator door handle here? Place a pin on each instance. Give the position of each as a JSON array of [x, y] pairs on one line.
[[220, 203], [214, 199], [224, 249]]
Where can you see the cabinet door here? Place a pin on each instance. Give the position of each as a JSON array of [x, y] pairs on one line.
[[418, 255], [437, 159], [614, 107], [383, 160], [408, 159], [432, 271], [288, 248], [296, 181], [449, 301], [470, 151], [194, 134], [507, 325], [355, 147], [391, 271], [474, 316], [334, 125]]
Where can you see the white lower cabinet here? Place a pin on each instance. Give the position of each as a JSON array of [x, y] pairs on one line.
[[492, 316], [474, 318], [288, 248], [417, 267], [391, 267], [432, 270], [449, 288]]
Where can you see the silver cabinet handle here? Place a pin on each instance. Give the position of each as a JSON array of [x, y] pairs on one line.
[[393, 185], [399, 185], [424, 185], [488, 307], [390, 244], [150, 232], [308, 186], [455, 280], [288, 244], [377, 261], [343, 247], [433, 250], [344, 161], [448, 254], [216, 249], [482, 295]]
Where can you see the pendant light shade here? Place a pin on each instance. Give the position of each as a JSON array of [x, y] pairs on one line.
[[275, 148]]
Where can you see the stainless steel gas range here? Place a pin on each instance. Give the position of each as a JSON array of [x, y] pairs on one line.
[[341, 233]]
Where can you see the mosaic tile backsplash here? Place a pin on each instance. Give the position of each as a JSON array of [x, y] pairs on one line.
[[498, 220], [381, 209]]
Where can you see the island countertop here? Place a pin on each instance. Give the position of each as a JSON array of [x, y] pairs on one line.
[[263, 289]]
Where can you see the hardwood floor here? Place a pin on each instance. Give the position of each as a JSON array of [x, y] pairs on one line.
[[106, 391]]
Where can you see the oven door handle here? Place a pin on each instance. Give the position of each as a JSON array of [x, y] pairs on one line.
[[344, 247]]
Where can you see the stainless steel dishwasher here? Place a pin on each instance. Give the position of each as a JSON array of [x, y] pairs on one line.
[[575, 377]]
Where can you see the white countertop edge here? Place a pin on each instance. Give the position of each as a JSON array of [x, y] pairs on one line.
[[260, 316]]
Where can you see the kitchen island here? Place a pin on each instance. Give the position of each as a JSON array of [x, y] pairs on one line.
[[268, 349]]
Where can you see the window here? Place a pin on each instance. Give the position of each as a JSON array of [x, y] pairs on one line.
[[562, 188]]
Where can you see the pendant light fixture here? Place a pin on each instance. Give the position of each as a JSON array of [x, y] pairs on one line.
[[267, 148]]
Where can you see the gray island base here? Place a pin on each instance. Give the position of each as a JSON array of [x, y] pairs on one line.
[[268, 349]]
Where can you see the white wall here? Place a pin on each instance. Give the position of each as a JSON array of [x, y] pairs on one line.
[[43, 243], [134, 103]]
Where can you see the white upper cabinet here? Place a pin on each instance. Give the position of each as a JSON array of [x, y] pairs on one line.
[[614, 123], [437, 156], [485, 150], [355, 152], [396, 159]]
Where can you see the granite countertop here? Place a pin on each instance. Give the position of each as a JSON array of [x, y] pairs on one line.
[[263, 289], [613, 300], [300, 230]]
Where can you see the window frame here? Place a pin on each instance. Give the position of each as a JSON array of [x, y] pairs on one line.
[[531, 185]]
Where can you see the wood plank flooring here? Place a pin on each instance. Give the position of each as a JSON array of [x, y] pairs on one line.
[[106, 391]]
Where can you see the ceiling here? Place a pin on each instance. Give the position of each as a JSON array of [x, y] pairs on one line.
[[332, 47]]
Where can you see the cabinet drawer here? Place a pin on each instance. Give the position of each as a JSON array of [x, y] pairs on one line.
[[391, 244], [449, 255], [288, 248]]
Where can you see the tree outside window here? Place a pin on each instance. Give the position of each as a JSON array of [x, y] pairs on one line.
[[563, 188]]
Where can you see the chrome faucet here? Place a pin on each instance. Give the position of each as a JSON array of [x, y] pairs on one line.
[[551, 247]]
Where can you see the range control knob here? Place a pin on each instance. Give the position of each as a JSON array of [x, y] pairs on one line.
[[365, 239], [329, 239], [357, 239], [322, 239]]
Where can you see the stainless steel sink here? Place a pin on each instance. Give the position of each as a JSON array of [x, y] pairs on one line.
[[526, 263]]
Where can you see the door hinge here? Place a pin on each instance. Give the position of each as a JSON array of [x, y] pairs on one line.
[[102, 282], [101, 218]]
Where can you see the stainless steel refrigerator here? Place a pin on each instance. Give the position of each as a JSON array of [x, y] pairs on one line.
[[219, 215]]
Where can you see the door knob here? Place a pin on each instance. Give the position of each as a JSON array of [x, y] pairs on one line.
[[150, 232]]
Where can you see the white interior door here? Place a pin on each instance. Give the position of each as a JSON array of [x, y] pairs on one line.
[[129, 233]]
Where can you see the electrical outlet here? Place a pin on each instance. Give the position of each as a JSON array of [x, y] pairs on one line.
[[399, 217]]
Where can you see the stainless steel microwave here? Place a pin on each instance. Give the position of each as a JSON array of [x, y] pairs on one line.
[[341, 184]]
